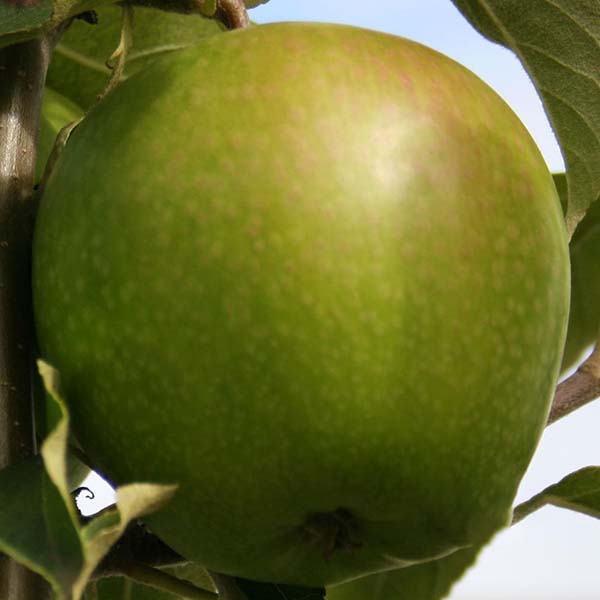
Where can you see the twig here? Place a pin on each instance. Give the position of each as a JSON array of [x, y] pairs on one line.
[[140, 545], [163, 581], [235, 13], [579, 389], [228, 589]]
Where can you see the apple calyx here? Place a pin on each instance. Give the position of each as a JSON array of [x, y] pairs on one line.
[[334, 531]]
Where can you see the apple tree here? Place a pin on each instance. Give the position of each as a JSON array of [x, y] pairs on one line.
[[305, 294]]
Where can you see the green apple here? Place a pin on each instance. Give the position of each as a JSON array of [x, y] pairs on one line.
[[319, 277], [57, 111], [432, 580], [78, 68], [584, 317]]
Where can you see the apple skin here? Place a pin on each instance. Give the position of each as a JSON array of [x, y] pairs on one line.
[[319, 277], [426, 581]]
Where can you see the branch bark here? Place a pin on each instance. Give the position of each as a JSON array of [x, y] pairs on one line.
[[22, 76], [234, 13], [579, 389], [18, 583]]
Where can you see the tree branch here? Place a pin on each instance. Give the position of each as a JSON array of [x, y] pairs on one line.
[[23, 70], [579, 389], [18, 583], [139, 545], [139, 554], [22, 75], [234, 13]]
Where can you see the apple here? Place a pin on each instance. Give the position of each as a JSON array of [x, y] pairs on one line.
[[426, 581], [78, 68], [318, 276], [57, 111], [434, 579]]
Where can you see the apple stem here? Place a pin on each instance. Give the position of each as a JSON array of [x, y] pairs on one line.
[[332, 532], [22, 76], [579, 389], [235, 13], [158, 579]]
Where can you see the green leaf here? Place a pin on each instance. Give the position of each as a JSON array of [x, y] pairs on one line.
[[36, 527], [560, 181], [39, 524], [101, 533], [78, 69], [254, 590], [119, 588], [427, 581], [558, 42], [133, 500], [193, 573], [579, 491], [21, 20], [46, 536], [584, 316], [58, 110], [16, 18]]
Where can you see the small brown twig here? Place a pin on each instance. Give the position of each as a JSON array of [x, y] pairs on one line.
[[137, 544], [227, 587], [234, 13], [579, 389]]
